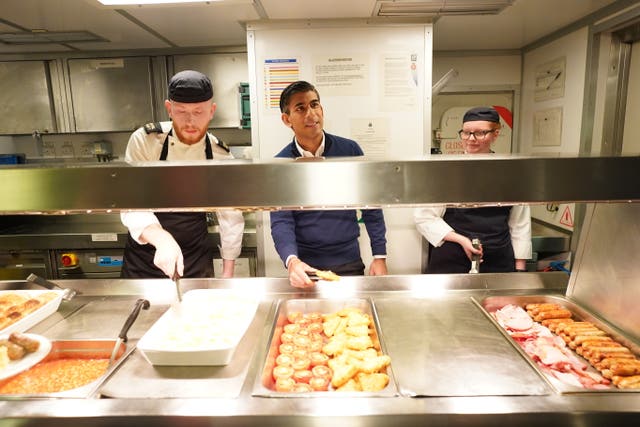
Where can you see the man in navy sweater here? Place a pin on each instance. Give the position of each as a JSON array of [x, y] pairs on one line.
[[324, 239]]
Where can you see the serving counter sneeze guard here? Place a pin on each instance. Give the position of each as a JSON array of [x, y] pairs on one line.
[[259, 185], [450, 364]]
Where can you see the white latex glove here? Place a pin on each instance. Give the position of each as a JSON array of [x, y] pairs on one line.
[[168, 256]]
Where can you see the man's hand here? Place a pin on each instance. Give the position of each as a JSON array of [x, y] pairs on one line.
[[168, 257], [298, 273], [378, 267]]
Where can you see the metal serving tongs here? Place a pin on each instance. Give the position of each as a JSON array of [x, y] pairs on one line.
[[176, 280], [68, 294], [475, 259], [122, 336]]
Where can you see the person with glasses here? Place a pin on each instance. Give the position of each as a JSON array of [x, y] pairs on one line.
[[504, 231], [307, 240], [163, 243]]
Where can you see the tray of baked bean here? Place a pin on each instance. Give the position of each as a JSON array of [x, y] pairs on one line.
[[325, 347], [71, 368], [571, 348]]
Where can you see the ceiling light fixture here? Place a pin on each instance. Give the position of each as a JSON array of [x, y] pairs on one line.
[[41, 36], [152, 2], [440, 7]]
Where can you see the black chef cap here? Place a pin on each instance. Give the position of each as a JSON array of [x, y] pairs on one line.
[[486, 114], [190, 86]]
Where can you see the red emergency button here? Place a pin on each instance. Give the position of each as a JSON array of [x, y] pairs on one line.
[[69, 260]]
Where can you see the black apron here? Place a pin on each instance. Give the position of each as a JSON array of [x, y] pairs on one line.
[[189, 229], [491, 226]]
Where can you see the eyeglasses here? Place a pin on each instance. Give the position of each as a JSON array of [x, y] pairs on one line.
[[479, 135]]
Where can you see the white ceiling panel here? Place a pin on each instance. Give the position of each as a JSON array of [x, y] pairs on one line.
[[518, 25], [75, 15], [212, 24]]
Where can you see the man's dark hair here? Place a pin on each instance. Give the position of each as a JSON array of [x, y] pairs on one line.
[[292, 89]]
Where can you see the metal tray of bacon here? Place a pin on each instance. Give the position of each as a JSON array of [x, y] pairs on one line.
[[571, 348]]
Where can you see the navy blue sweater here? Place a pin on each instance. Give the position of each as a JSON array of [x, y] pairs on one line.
[[326, 238]]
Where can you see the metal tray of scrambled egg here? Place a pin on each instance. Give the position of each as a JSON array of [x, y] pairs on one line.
[[310, 335], [546, 353]]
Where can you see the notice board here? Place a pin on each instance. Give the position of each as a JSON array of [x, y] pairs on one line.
[[374, 82], [378, 75]]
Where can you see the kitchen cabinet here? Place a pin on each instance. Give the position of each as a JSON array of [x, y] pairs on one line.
[[25, 102], [111, 94]]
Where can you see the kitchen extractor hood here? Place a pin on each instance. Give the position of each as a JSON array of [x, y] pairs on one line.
[[436, 8]]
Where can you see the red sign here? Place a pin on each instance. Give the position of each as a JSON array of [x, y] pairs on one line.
[[567, 218]]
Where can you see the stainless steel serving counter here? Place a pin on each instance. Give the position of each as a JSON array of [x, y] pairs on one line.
[[443, 349]]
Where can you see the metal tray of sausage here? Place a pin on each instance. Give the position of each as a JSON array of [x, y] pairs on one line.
[[73, 349], [264, 385], [558, 381]]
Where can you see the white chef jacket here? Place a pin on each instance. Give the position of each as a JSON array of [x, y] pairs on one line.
[[145, 147], [432, 226]]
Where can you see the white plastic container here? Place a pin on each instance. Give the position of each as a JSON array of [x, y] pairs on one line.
[[204, 330]]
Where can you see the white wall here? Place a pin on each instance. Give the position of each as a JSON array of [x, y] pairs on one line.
[[574, 48]]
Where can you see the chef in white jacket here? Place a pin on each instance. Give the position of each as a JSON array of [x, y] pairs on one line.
[[504, 231], [163, 243]]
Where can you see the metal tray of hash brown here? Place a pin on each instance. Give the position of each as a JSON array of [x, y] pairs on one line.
[[264, 385]]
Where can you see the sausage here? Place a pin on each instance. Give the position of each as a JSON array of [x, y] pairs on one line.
[[592, 345], [534, 309], [588, 340], [29, 344], [14, 351], [603, 353], [627, 382], [588, 333], [556, 325], [606, 363], [608, 355], [625, 369], [573, 327], [552, 314], [579, 339]]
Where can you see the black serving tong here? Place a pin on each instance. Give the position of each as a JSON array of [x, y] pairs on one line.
[[122, 336]]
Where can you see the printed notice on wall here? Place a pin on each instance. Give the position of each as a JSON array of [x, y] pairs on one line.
[[342, 75], [400, 82], [278, 74], [372, 135], [547, 127]]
